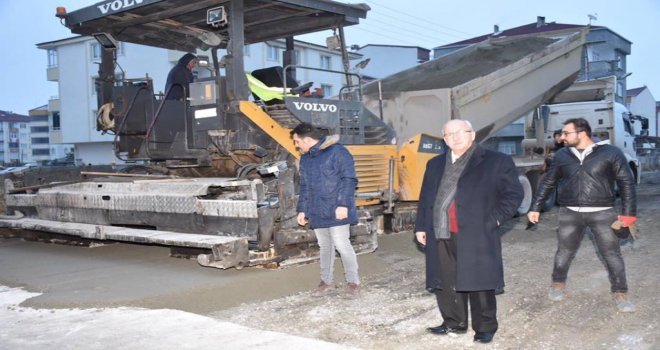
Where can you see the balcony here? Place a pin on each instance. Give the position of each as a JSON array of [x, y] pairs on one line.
[[599, 69], [56, 136], [53, 73], [54, 104]]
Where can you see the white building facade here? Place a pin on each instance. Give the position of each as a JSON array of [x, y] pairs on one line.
[[385, 60], [641, 102], [39, 135]]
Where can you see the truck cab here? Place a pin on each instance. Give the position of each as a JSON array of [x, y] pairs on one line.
[[610, 121]]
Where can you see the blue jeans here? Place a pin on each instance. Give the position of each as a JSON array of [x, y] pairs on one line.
[[572, 225], [329, 239]]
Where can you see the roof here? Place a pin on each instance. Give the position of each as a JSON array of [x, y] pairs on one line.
[[399, 46], [40, 108], [634, 92], [70, 40], [182, 24], [527, 29], [12, 117]]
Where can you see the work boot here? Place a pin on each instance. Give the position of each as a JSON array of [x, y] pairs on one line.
[[324, 289], [352, 290], [622, 302], [557, 291]]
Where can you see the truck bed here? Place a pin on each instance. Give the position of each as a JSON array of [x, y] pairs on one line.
[[491, 84]]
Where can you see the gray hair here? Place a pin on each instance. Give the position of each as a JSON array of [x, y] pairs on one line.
[[460, 120]]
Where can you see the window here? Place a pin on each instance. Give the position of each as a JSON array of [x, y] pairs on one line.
[[298, 56], [38, 118], [326, 62], [96, 50], [327, 90], [40, 152], [39, 129], [40, 140], [246, 50], [507, 147], [56, 120], [272, 53], [23, 126], [52, 58], [626, 124]]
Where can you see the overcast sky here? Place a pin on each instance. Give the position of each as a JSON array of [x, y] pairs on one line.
[[425, 23]]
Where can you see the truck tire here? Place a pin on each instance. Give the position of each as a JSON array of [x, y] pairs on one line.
[[528, 193]]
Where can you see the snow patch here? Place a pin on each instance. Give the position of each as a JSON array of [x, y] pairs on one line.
[[129, 328]]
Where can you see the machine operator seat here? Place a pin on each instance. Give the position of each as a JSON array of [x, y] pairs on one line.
[[267, 85]]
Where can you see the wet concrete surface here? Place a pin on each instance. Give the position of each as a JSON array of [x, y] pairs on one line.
[[145, 276]]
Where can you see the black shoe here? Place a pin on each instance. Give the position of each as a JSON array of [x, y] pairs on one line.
[[484, 337], [442, 329]]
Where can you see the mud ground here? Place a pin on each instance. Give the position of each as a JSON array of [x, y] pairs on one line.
[[393, 310]]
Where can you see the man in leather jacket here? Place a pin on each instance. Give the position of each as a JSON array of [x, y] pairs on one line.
[[585, 173]]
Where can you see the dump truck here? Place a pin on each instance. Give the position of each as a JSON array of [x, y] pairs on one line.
[[215, 176], [595, 101]]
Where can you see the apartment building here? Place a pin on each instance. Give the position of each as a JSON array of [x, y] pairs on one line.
[[42, 131], [14, 138]]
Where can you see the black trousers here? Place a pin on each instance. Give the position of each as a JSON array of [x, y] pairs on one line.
[[572, 225], [453, 305]]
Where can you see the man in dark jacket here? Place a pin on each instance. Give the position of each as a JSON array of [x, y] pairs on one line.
[[327, 203], [586, 173], [180, 77], [467, 193]]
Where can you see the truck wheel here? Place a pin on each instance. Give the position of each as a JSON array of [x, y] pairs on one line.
[[527, 198]]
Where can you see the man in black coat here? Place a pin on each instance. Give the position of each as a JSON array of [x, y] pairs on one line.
[[467, 193], [180, 77]]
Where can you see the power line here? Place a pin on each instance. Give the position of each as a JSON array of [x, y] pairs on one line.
[[425, 36], [413, 24], [388, 37], [398, 11]]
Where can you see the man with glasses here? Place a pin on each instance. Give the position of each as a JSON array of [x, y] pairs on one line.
[[586, 173], [467, 193]]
